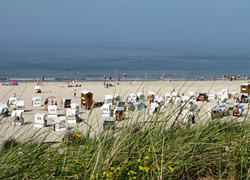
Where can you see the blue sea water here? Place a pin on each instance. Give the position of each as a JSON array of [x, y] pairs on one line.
[[93, 62]]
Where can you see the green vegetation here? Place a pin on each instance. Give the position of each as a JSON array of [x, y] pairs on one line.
[[216, 150]]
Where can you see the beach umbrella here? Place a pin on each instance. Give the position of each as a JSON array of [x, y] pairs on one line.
[[13, 83]]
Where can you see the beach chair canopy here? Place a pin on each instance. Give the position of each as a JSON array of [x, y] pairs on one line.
[[13, 83]]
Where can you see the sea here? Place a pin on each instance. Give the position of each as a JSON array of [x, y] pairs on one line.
[[90, 63]]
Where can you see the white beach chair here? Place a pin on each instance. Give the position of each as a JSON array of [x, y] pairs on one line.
[[52, 111], [40, 120], [71, 116], [60, 124], [36, 101], [17, 117]]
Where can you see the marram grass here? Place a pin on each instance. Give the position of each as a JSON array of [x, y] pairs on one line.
[[218, 149]]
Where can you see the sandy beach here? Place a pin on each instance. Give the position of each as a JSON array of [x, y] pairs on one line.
[[25, 91]]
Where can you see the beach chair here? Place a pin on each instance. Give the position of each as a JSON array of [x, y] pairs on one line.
[[52, 112], [119, 113], [106, 110], [76, 107], [108, 123], [36, 101], [12, 102], [20, 105], [108, 99], [153, 108], [17, 117], [40, 120], [60, 123], [211, 95], [66, 103], [71, 116], [4, 109]]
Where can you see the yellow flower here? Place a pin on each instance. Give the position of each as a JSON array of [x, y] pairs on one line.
[[109, 174], [132, 172], [76, 176], [47, 175], [24, 174], [76, 160], [92, 177], [87, 147], [141, 168], [128, 173], [112, 168], [170, 168], [146, 157], [149, 150], [162, 161], [139, 160], [134, 177], [118, 168], [146, 169], [104, 172], [78, 135]]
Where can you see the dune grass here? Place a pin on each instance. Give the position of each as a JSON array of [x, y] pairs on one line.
[[152, 149]]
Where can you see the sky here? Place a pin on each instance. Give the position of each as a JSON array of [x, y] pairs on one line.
[[149, 23]]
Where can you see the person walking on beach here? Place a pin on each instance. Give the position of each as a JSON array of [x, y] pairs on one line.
[[104, 77], [110, 78], [75, 93], [201, 78], [169, 78], [214, 78], [46, 103], [124, 75]]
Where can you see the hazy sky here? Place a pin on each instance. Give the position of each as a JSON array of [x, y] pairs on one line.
[[161, 23]]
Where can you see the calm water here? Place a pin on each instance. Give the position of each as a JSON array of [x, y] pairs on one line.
[[94, 62]]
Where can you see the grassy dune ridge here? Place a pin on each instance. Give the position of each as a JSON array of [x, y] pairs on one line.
[[218, 149]]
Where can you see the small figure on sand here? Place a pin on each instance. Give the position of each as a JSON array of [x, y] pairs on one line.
[[124, 75], [169, 78], [214, 78], [104, 77], [46, 102], [110, 78], [42, 78], [74, 93]]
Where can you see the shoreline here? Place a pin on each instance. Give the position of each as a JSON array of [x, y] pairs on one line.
[[5, 80]]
